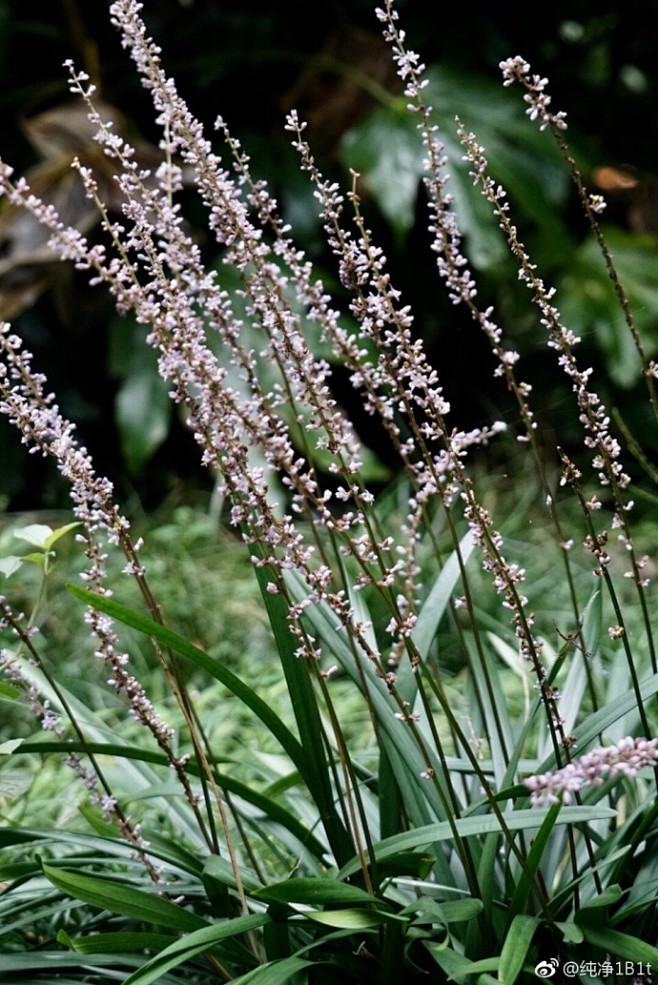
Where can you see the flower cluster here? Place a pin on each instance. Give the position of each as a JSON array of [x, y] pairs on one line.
[[242, 367], [34, 412], [626, 758], [517, 69], [592, 413]]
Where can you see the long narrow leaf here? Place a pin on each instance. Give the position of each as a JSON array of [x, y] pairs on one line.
[[420, 800], [622, 945], [314, 765], [119, 898], [438, 597], [533, 860], [469, 827], [192, 944], [118, 943], [168, 638], [274, 973], [517, 942], [600, 721], [316, 892], [271, 809]]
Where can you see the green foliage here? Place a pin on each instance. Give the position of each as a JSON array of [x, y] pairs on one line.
[[143, 410], [385, 150], [589, 301]]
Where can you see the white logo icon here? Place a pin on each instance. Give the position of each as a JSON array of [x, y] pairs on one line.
[[546, 969]]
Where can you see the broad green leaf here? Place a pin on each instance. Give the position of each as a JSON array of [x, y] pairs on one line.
[[11, 745], [621, 945], [57, 534], [123, 940], [10, 564], [35, 533], [143, 415], [273, 973], [38, 558], [143, 408], [350, 919], [14, 783], [42, 536], [9, 691], [589, 305], [316, 892], [469, 827], [386, 152], [194, 943], [517, 942], [119, 898]]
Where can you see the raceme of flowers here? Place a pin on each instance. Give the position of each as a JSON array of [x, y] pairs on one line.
[[256, 428]]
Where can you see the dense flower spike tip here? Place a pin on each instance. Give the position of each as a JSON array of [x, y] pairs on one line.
[[626, 758], [517, 69]]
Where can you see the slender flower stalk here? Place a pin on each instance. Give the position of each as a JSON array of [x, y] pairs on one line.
[[517, 70], [454, 269], [592, 412], [54, 721]]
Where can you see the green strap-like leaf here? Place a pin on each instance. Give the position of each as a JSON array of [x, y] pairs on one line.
[[316, 892], [352, 919], [517, 942], [272, 810], [313, 767], [192, 944], [600, 721], [122, 941], [533, 860], [308, 755], [622, 945], [119, 898], [469, 827], [274, 973], [168, 638]]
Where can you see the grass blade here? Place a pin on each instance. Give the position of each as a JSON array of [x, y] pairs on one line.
[[192, 944], [116, 897]]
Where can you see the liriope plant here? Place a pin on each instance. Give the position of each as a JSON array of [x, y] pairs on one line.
[[447, 835]]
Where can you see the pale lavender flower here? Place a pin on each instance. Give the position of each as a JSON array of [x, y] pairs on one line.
[[626, 758], [517, 69]]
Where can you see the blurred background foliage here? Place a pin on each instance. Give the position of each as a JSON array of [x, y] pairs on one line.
[[252, 61]]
